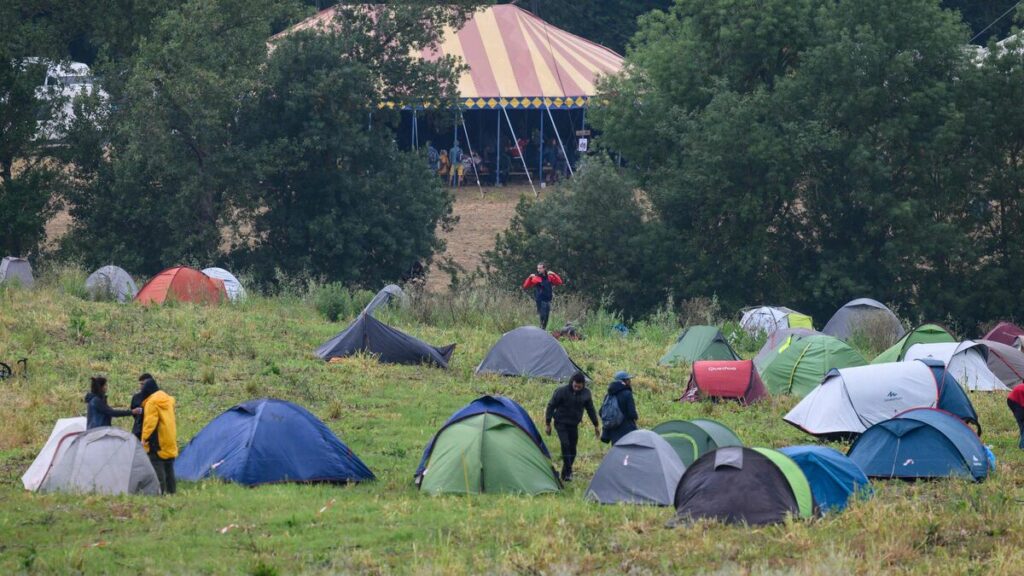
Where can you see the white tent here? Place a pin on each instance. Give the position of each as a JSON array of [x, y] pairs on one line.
[[103, 460], [234, 288], [967, 361], [768, 319], [60, 438]]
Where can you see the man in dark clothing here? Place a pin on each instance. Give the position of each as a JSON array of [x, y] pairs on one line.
[[1015, 401], [566, 408], [621, 392], [137, 399], [99, 412], [542, 282]]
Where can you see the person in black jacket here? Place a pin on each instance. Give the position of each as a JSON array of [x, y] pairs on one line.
[[566, 408], [99, 412], [137, 400], [622, 391]]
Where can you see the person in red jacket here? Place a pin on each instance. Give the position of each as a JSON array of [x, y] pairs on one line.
[[542, 282], [1016, 403]]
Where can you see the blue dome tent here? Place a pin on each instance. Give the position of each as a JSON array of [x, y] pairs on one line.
[[833, 477]]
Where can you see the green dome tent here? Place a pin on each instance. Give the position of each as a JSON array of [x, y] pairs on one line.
[[923, 334], [800, 363], [699, 343], [691, 439]]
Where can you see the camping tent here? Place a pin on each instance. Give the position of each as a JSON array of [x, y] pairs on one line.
[[862, 314], [967, 361], [386, 295], [800, 363], [691, 439], [921, 443], [699, 343], [490, 445], [56, 445], [111, 283], [852, 399], [768, 319], [641, 468], [729, 379], [232, 286], [16, 270], [391, 346], [1006, 362], [775, 340], [268, 440], [833, 477], [103, 460], [923, 334], [529, 351], [743, 485], [182, 284], [1006, 333]]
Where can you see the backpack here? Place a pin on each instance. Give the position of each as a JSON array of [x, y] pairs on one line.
[[611, 412]]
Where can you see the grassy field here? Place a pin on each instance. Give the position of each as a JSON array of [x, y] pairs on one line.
[[212, 358]]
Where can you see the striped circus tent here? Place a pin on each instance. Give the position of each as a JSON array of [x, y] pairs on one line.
[[515, 60]]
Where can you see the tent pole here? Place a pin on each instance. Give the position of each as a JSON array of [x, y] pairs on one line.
[[415, 131], [540, 151], [469, 146], [497, 154], [560, 144], [520, 151]]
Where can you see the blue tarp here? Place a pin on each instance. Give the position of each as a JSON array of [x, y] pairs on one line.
[[268, 440], [833, 477]]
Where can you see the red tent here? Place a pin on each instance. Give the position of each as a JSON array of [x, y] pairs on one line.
[[182, 284], [1005, 333], [729, 379]]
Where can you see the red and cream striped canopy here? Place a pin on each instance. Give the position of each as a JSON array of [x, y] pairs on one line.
[[516, 60]]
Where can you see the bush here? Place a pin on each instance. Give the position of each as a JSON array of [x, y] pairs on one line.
[[333, 301]]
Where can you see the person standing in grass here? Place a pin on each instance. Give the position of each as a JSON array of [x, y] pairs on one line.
[[618, 410], [566, 408], [542, 283], [159, 433], [1016, 403], [99, 412]]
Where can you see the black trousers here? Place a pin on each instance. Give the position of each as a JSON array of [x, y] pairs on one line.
[[543, 310], [1018, 414], [568, 437], [164, 473]]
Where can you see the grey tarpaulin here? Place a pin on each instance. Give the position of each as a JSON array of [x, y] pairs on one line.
[[13, 269], [103, 461], [860, 313], [641, 468], [391, 346], [111, 282], [529, 351], [387, 294]]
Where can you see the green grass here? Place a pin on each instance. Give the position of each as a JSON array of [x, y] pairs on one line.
[[212, 358]]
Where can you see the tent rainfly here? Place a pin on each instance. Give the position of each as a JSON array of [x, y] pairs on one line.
[[232, 286], [14, 270], [724, 379], [833, 477], [799, 364], [389, 345], [1006, 362], [111, 282], [923, 334], [863, 314], [103, 460], [641, 468], [182, 284], [386, 295], [967, 361], [1006, 333], [691, 439], [531, 352], [768, 319], [56, 445], [776, 339], [699, 343]]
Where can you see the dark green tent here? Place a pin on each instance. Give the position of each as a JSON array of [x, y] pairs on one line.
[[800, 363], [923, 334], [691, 439], [699, 343]]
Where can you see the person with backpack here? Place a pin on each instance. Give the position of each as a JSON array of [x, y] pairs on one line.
[[618, 410], [542, 283], [566, 408]]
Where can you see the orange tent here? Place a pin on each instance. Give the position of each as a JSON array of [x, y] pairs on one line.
[[182, 284]]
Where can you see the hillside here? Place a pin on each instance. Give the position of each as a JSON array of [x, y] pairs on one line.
[[212, 358]]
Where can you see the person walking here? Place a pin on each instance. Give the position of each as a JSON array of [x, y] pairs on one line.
[[99, 413], [159, 433], [566, 408], [1016, 403], [542, 283], [618, 410]]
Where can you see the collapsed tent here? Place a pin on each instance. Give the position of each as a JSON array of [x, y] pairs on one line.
[[768, 319], [1006, 362], [724, 379], [111, 283], [863, 314], [531, 352], [800, 363], [56, 445], [737, 485], [1006, 333], [924, 334], [265, 441], [182, 284], [103, 460], [691, 439], [232, 286], [967, 361], [921, 443], [489, 446], [641, 468], [699, 343], [833, 477], [390, 346], [850, 400], [386, 295], [775, 340], [14, 270]]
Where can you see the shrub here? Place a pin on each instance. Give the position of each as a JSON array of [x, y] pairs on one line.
[[333, 301]]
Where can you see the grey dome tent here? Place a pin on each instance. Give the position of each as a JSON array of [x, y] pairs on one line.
[[111, 282], [385, 296], [859, 314], [232, 285], [1005, 361], [529, 351], [16, 270], [967, 361], [641, 468], [391, 346], [64, 431], [103, 460]]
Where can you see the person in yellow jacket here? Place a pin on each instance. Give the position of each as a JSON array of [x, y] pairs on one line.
[[159, 435]]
